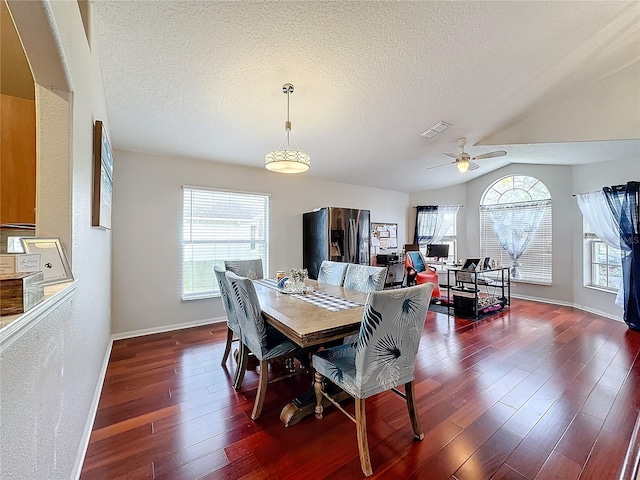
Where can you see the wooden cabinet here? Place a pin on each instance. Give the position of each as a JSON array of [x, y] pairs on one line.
[[17, 160]]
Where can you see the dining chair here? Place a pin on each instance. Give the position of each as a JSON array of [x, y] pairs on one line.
[[332, 272], [364, 278], [233, 326], [265, 342], [246, 268], [382, 358]]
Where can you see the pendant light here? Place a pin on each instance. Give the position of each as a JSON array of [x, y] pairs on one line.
[[287, 161]]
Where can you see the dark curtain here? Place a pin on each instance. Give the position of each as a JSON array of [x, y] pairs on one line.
[[624, 203], [426, 216]]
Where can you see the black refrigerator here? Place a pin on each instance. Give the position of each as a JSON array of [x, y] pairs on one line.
[[337, 234]]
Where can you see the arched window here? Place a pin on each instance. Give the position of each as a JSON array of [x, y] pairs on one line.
[[515, 227]]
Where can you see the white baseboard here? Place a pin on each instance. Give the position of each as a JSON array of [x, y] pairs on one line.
[[166, 328], [569, 304], [91, 417]]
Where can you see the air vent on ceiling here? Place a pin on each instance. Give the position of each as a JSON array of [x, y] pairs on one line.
[[435, 130]]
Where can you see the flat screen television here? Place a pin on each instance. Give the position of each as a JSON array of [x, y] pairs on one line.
[[437, 250]]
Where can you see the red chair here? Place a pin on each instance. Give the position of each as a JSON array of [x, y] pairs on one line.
[[419, 272]]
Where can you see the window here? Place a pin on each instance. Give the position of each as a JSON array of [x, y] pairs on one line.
[[437, 224], [515, 227], [449, 236], [605, 262], [220, 225]]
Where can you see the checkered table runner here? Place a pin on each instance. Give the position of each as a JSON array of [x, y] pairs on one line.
[[321, 299]]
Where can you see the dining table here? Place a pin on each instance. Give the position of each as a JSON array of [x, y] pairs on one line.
[[326, 314]]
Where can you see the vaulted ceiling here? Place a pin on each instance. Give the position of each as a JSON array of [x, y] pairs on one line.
[[549, 82]]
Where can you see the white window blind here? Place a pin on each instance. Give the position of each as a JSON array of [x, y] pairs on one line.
[[515, 192], [535, 263], [220, 225]]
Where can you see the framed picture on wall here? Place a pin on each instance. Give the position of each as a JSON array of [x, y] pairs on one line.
[[102, 178], [53, 260]]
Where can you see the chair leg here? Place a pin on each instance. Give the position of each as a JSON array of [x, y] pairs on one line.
[[318, 387], [241, 367], [227, 348], [262, 389], [413, 414], [363, 443]]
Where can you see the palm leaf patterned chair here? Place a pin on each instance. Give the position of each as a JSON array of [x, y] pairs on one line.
[[382, 358], [233, 326], [246, 268], [332, 272], [364, 278], [265, 342]]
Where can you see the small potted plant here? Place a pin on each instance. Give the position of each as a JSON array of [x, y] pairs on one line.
[[298, 275]]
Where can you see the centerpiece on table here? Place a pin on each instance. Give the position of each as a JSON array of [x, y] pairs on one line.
[[297, 278]]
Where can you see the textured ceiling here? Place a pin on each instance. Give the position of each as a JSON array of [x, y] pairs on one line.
[[203, 79]]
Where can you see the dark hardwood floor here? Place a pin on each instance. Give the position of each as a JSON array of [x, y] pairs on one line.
[[536, 392]]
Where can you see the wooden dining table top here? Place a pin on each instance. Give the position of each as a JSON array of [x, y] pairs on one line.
[[305, 323]]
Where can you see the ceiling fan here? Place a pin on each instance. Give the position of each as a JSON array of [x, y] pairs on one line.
[[464, 161]]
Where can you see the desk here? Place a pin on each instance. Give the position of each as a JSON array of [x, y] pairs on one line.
[[466, 287], [307, 325]]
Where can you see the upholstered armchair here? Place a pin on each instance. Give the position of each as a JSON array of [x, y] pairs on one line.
[[418, 272], [332, 272], [382, 358]]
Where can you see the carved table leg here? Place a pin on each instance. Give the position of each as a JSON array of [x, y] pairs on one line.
[[318, 386]]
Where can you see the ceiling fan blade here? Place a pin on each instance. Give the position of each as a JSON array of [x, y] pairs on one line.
[[452, 155], [441, 165], [498, 153], [473, 166]]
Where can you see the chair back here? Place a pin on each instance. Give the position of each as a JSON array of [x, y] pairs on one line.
[[227, 302], [415, 260], [364, 278], [246, 268], [332, 272], [253, 330], [389, 338]]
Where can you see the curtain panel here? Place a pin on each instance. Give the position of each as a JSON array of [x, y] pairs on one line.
[[515, 225], [596, 212], [430, 225], [624, 202]]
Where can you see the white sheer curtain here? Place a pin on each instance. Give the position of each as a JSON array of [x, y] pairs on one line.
[[515, 225], [430, 223], [597, 214]]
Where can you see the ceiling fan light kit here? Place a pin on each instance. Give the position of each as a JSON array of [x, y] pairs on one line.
[[463, 166], [287, 160], [464, 162]]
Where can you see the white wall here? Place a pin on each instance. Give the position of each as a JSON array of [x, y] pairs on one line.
[[605, 110], [147, 213], [50, 375]]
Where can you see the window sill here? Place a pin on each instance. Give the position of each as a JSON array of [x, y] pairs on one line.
[[601, 289], [201, 297], [531, 282], [12, 327]]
